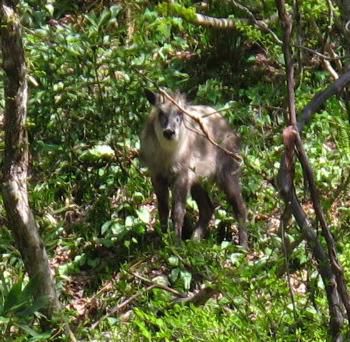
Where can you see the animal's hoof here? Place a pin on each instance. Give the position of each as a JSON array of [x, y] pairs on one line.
[[244, 244], [198, 235]]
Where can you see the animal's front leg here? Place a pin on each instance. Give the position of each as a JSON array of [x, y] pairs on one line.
[[160, 185], [205, 208], [180, 192]]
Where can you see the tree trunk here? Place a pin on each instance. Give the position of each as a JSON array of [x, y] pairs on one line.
[[328, 265], [14, 184], [344, 7]]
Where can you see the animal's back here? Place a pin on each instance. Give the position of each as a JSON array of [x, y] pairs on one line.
[[217, 127], [208, 158]]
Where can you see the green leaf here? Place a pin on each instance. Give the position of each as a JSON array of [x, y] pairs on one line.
[[173, 260], [13, 299], [115, 10], [106, 226], [174, 274], [98, 152], [50, 8], [35, 336], [144, 215], [187, 278]]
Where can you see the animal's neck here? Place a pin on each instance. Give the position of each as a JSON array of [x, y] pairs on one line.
[[174, 149]]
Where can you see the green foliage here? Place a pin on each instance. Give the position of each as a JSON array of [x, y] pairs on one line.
[[254, 303], [18, 308]]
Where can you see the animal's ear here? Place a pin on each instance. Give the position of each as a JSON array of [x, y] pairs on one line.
[[151, 97]]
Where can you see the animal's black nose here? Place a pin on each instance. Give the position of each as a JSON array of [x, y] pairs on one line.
[[168, 133]]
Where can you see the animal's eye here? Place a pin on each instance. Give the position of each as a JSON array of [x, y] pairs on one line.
[[161, 115], [178, 117]]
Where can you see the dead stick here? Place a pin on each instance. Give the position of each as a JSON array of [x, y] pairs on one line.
[[120, 306], [164, 287]]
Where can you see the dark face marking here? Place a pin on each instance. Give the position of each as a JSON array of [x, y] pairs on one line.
[[170, 122], [163, 119]]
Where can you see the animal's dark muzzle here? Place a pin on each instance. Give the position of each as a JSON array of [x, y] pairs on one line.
[[169, 133]]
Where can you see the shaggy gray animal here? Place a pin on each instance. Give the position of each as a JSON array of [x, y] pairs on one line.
[[179, 157]]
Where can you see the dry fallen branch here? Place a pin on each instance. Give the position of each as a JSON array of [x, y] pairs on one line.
[[122, 305], [157, 285], [199, 298]]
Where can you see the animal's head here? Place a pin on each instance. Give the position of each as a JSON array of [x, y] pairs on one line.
[[168, 117]]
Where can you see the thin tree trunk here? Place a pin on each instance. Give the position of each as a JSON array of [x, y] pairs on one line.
[[14, 184], [344, 7], [328, 265]]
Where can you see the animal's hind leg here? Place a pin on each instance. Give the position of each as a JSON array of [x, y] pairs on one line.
[[180, 191], [205, 208], [230, 185]]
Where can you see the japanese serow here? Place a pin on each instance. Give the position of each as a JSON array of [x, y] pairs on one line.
[[180, 156]]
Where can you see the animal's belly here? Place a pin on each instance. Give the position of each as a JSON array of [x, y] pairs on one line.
[[203, 168]]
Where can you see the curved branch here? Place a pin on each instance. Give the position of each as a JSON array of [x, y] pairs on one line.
[[328, 264], [221, 23], [319, 99]]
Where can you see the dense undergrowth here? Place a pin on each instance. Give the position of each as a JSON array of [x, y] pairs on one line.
[[118, 280]]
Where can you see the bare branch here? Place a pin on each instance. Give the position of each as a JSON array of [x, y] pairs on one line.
[[160, 286], [328, 265], [336, 267], [330, 69], [319, 99], [199, 298], [222, 23], [121, 306], [258, 23], [287, 31], [202, 127]]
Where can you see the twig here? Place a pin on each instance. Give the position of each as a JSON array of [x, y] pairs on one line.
[[341, 187], [330, 69], [283, 223], [200, 298], [319, 54], [202, 127], [65, 208], [120, 306], [320, 98], [217, 111], [259, 23], [337, 269], [160, 286]]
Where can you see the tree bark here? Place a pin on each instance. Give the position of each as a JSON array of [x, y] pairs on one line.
[[328, 265], [14, 183], [344, 7]]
